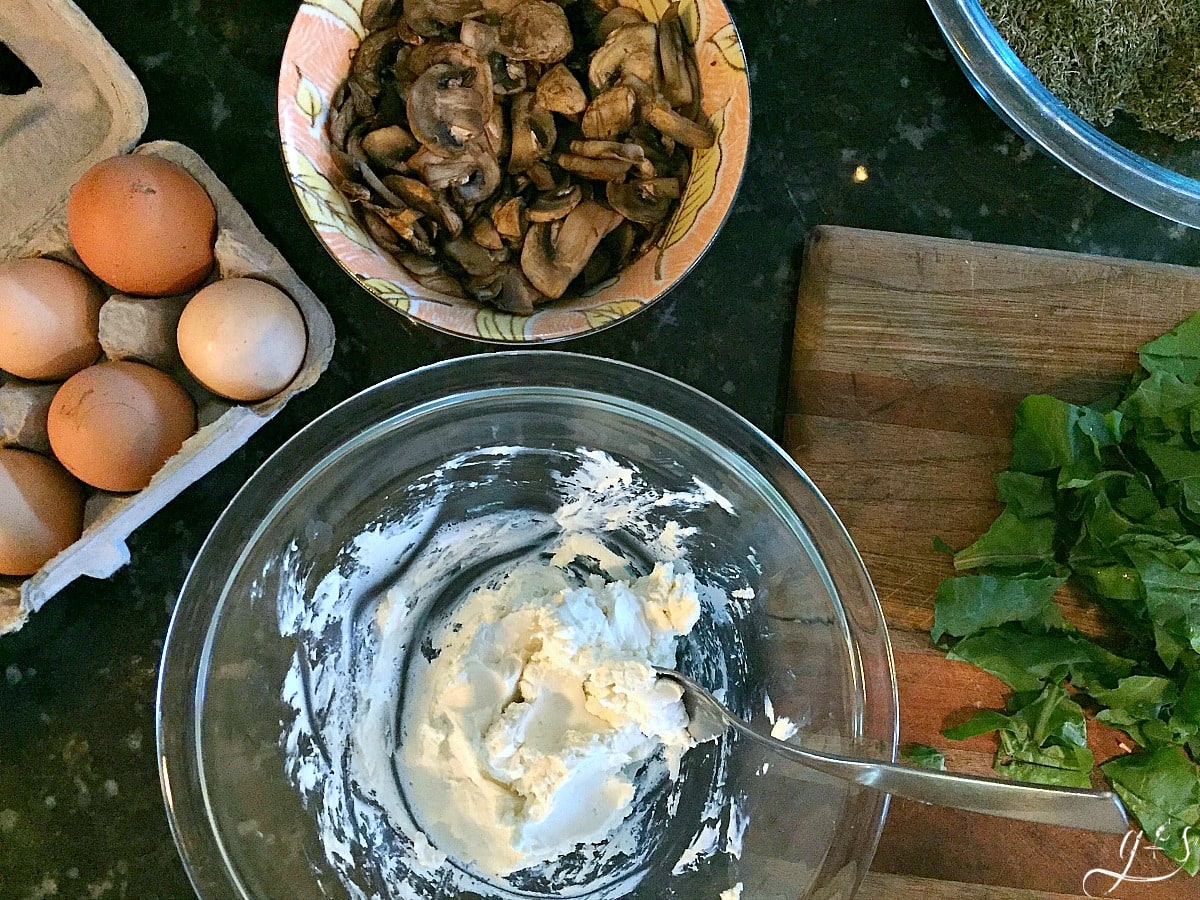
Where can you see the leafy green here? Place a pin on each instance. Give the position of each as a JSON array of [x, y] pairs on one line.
[[924, 756], [1042, 738], [1107, 496]]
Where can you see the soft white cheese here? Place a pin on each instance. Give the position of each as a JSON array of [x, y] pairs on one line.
[[522, 738]]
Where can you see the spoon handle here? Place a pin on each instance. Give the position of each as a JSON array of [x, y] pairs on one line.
[[1068, 807]]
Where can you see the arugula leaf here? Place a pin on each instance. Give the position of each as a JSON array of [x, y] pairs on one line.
[[1052, 435], [924, 756], [1028, 496], [1025, 661], [1161, 788], [968, 603], [1042, 738], [1013, 543], [1177, 352]]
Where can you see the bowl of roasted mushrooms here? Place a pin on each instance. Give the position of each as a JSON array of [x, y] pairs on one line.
[[515, 170]]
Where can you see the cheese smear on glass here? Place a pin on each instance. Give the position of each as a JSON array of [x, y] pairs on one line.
[[524, 734]]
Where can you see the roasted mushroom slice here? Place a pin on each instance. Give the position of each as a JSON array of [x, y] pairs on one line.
[[557, 204], [639, 202], [559, 91], [388, 148], [610, 113], [628, 50], [658, 113], [615, 18], [536, 30], [508, 75], [554, 253], [476, 261], [596, 169], [483, 231], [450, 103], [421, 197], [511, 220], [625, 150], [675, 81], [516, 295], [479, 36], [533, 133], [430, 18], [473, 174], [407, 224], [374, 55]]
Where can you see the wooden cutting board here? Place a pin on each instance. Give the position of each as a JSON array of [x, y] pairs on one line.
[[910, 356]]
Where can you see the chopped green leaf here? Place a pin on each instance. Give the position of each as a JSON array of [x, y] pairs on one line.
[[1161, 788], [1025, 662], [1028, 496], [925, 756], [1177, 352], [1051, 435], [1012, 543], [969, 603]]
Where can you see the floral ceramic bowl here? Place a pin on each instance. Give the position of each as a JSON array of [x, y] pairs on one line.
[[316, 61]]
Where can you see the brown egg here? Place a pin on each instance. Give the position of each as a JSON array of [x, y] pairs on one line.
[[49, 319], [114, 424], [243, 339], [142, 224], [41, 511]]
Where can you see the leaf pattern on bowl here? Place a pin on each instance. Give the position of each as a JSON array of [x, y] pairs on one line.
[[610, 312], [388, 291], [726, 41], [308, 98], [494, 325], [321, 201], [348, 12], [700, 188]]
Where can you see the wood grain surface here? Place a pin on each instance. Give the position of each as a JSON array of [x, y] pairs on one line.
[[910, 356]]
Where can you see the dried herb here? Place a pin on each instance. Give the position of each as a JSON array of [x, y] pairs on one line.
[[1100, 56]]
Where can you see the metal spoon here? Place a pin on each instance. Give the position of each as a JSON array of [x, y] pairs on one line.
[[1069, 807]]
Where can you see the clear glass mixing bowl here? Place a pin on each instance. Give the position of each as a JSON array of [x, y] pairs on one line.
[[1152, 171], [807, 632]]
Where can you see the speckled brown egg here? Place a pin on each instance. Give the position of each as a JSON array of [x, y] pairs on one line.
[[143, 225], [41, 511], [49, 319], [115, 424], [242, 338]]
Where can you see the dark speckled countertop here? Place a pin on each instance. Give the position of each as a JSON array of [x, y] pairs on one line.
[[836, 85]]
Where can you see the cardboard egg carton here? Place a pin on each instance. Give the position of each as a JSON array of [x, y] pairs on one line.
[[88, 107]]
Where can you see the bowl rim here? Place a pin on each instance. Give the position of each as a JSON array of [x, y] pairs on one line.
[[1030, 109], [180, 688], [728, 196]]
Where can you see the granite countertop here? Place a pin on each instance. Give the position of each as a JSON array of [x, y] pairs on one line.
[[836, 85]]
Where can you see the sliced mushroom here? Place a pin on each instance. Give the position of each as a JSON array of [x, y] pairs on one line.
[[677, 127], [637, 205], [615, 18], [508, 75], [475, 260], [421, 197], [479, 36], [516, 295], [533, 133], [373, 56], [536, 30], [473, 175], [496, 134], [378, 14], [407, 224], [446, 110], [388, 148], [381, 233], [429, 18], [628, 50], [541, 177], [557, 204], [511, 220], [610, 113], [672, 59], [597, 169], [559, 91], [485, 234], [554, 253]]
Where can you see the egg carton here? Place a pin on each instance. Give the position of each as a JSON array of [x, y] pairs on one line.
[[88, 106]]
